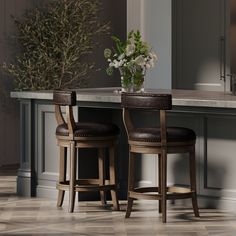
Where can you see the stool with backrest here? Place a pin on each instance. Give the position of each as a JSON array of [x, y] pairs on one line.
[[160, 140], [72, 136]]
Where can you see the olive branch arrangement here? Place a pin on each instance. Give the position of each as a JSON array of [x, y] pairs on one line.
[[56, 41]]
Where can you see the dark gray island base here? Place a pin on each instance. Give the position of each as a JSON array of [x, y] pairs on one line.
[[211, 114]]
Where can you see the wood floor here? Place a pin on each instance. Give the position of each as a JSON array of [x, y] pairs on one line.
[[34, 216]]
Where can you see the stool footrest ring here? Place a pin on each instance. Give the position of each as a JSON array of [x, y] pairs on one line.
[[87, 185], [152, 193]]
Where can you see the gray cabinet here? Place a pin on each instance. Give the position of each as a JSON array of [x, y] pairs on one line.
[[215, 146], [200, 44]]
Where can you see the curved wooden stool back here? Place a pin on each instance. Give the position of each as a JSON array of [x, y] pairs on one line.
[[157, 140], [73, 135]]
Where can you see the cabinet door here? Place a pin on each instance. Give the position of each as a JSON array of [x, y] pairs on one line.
[[199, 45]]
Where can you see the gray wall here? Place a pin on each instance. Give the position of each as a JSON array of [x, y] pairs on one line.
[[114, 11], [9, 109], [154, 19]]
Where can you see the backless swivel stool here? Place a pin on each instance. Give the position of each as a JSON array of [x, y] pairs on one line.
[[159, 140], [72, 136]]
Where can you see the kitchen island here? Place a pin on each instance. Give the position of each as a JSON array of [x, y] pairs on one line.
[[212, 115]]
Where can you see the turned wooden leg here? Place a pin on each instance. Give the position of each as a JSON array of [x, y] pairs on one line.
[[72, 176], [101, 170], [159, 180], [193, 181], [62, 174], [163, 183], [131, 179], [113, 177]]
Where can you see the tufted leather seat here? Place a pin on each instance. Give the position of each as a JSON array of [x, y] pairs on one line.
[[89, 130], [160, 140], [174, 134]]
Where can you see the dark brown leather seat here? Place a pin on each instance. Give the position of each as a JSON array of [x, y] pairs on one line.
[[160, 141], [72, 136], [89, 130], [153, 134]]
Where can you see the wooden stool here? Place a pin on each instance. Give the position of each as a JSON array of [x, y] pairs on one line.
[[72, 136], [157, 140]]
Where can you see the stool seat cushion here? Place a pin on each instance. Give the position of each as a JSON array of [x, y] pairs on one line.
[[83, 129], [174, 134]]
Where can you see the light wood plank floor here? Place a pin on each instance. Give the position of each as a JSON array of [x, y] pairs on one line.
[[34, 216]]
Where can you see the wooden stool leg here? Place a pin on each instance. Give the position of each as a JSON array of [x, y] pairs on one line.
[[193, 181], [163, 183], [159, 180], [131, 179], [62, 174], [113, 177], [101, 170], [72, 176]]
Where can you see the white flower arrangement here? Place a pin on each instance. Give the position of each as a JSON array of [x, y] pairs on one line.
[[132, 57]]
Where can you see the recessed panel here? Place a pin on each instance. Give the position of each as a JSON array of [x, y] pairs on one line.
[[51, 150], [221, 152]]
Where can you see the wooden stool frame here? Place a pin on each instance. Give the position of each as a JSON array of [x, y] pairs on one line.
[[161, 103], [73, 143]]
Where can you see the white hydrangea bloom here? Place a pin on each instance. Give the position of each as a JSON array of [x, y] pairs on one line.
[[111, 64], [130, 48], [122, 56], [152, 62], [116, 64], [139, 60], [153, 56]]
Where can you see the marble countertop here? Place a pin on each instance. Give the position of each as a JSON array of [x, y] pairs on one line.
[[194, 98]]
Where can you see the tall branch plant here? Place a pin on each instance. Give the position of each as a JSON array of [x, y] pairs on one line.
[[55, 43]]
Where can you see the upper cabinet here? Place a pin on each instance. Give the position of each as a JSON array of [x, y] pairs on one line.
[[200, 46], [190, 38], [232, 43]]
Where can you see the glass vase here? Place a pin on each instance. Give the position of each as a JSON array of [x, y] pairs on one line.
[[132, 84]]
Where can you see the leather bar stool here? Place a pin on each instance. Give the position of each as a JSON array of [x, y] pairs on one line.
[[72, 136], [160, 140]]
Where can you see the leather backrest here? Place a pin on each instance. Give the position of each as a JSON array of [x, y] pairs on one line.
[[146, 101], [64, 97]]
